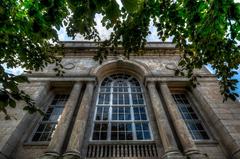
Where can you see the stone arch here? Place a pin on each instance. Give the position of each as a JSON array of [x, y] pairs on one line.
[[130, 67]]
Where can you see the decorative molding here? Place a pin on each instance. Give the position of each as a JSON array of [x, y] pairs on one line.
[[69, 66]]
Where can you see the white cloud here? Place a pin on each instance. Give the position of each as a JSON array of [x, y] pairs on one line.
[[15, 71], [103, 32]]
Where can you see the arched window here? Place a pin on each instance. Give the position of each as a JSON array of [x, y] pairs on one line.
[[121, 110]]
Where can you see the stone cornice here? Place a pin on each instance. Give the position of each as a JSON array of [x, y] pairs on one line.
[[178, 79], [88, 48], [92, 45], [62, 79]]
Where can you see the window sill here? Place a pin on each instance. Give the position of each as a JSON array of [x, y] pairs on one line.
[[99, 142], [199, 142], [43, 143]]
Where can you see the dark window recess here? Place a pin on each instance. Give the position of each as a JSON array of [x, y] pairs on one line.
[[191, 119], [49, 122]]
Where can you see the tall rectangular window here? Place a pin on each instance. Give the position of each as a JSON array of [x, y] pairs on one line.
[[49, 122], [191, 119], [121, 110]]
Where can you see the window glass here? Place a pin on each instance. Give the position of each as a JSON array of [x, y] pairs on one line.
[[121, 110], [46, 127], [191, 119]]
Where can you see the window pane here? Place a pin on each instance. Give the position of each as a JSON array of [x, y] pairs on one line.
[[98, 116], [145, 126], [36, 137], [147, 135], [121, 110], [96, 136], [103, 136], [44, 137], [128, 117], [139, 135], [114, 117], [107, 99], [115, 110], [129, 136], [97, 127], [104, 127], [41, 128], [136, 116], [127, 110], [138, 126], [121, 116], [105, 116], [114, 127], [48, 127], [101, 98], [121, 135], [129, 127], [114, 136], [115, 99], [99, 110], [121, 127], [143, 117], [134, 99]]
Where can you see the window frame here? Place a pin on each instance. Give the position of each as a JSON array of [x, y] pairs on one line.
[[132, 121], [196, 112], [40, 120]]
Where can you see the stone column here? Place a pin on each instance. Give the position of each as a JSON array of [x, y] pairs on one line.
[[56, 143], [169, 144], [76, 140], [183, 134]]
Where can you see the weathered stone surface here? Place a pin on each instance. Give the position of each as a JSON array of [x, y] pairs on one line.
[[12, 130], [167, 138], [77, 135], [61, 130], [73, 66], [185, 138], [222, 120]]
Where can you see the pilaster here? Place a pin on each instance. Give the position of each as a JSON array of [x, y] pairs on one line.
[[76, 140], [169, 144]]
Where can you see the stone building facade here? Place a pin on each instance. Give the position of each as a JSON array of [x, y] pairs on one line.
[[123, 108]]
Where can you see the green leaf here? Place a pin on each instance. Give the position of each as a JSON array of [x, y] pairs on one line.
[[21, 79], [12, 86], [132, 6], [112, 11], [12, 103]]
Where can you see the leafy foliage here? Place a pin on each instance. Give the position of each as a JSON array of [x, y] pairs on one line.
[[25, 33], [206, 32]]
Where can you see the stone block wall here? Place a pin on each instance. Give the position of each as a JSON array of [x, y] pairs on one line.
[[221, 119]]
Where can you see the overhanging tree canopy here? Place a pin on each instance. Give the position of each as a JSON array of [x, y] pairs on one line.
[[206, 32]]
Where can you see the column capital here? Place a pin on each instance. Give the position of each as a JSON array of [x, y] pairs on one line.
[[151, 83], [163, 82]]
